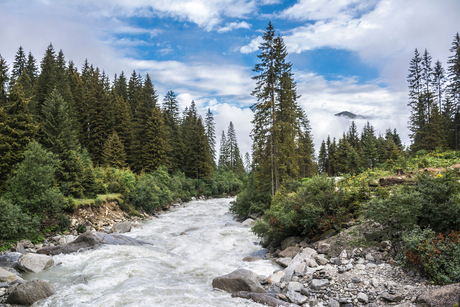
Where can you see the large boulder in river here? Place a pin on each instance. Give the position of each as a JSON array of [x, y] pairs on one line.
[[35, 263], [91, 240], [30, 292], [122, 227], [445, 296], [239, 280]]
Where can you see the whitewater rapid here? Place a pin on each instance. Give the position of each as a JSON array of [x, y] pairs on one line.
[[176, 271]]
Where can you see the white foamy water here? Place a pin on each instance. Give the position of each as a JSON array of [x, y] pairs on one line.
[[176, 271]]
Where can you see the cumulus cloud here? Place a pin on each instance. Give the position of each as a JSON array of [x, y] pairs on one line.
[[233, 26], [252, 46]]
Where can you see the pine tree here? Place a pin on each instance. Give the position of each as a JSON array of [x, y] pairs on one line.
[[264, 112], [352, 136], [439, 80], [114, 152], [322, 158], [59, 136], [211, 134], [46, 81], [19, 65], [306, 148], [342, 156], [368, 146], [17, 129], [278, 119], [121, 88], [31, 69], [247, 162], [331, 161], [3, 81], [172, 122], [146, 104], [417, 104], [223, 152], [454, 86], [235, 163]]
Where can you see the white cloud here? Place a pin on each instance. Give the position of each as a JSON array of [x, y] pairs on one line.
[[252, 46], [233, 26]]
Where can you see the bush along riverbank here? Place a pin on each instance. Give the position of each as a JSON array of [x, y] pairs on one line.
[[415, 210]]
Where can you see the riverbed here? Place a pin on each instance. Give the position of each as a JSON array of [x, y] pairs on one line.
[[192, 244]]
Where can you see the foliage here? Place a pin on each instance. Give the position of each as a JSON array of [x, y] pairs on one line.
[[15, 223], [33, 186], [251, 200], [436, 256], [313, 207]]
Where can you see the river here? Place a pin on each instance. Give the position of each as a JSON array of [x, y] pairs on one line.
[[176, 271]]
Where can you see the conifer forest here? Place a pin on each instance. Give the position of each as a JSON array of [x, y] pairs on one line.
[[71, 135]]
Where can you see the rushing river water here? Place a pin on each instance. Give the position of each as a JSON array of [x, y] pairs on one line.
[[176, 271]]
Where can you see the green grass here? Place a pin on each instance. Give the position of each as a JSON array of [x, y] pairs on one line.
[[103, 197]]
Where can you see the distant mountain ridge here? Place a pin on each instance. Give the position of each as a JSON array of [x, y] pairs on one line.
[[350, 115]]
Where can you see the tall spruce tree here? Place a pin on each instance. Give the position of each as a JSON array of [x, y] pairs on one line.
[[31, 69], [368, 146], [114, 152], [17, 129], [223, 152], [322, 158], [277, 123], [173, 124], [4, 78], [60, 137], [439, 81], [211, 134], [19, 65], [235, 162], [454, 86], [46, 81]]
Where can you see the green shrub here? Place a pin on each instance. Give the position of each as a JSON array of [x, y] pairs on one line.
[[98, 201], [145, 194], [81, 228], [250, 199], [33, 186], [14, 223], [310, 210], [63, 220], [435, 256]]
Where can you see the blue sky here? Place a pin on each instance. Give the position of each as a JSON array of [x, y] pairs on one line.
[[347, 55]]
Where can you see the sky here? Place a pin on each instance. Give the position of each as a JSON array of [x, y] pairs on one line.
[[347, 55]]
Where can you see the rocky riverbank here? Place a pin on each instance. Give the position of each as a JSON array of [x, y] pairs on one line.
[[313, 275]]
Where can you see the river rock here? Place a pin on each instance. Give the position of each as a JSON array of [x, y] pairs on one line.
[[333, 303], [317, 284], [263, 299], [362, 297], [26, 243], [10, 260], [122, 227], [239, 280], [284, 262], [8, 277], [290, 241], [262, 279], [294, 286], [35, 263], [321, 260], [248, 222], [306, 253], [69, 238], [445, 296], [30, 292], [251, 258], [324, 248], [296, 298], [392, 298], [91, 240], [290, 252], [276, 277]]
